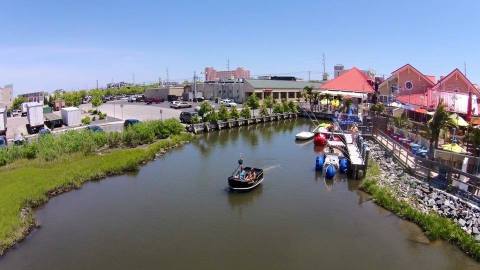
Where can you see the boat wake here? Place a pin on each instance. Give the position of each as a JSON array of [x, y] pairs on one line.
[[269, 168]]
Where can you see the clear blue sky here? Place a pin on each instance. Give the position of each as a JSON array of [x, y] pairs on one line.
[[45, 45]]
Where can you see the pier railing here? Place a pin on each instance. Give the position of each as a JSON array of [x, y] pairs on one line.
[[437, 174]]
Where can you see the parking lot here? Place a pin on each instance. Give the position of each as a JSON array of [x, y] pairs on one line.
[[117, 111]]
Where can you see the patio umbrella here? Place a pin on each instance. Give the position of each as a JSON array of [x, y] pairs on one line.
[[453, 147], [458, 120]]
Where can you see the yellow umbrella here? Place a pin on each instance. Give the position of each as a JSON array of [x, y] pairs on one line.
[[458, 120], [453, 147]]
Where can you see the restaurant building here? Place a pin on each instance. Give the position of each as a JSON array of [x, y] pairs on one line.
[[354, 83], [420, 92]]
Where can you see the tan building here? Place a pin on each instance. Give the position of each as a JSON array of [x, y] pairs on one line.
[[164, 92], [6, 95], [239, 91], [278, 89]]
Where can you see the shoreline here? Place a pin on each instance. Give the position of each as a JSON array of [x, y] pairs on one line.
[[133, 158], [385, 193]]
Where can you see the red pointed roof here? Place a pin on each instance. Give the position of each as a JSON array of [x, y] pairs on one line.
[[428, 78], [456, 71], [352, 80]]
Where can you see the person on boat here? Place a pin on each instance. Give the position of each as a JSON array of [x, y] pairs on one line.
[[242, 175], [253, 176]]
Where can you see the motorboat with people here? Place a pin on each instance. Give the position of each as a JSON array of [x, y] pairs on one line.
[[245, 178]]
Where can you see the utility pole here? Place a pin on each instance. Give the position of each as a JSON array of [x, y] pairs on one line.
[[133, 78], [194, 84], [465, 68], [168, 78], [97, 84], [309, 75], [228, 64], [159, 81]]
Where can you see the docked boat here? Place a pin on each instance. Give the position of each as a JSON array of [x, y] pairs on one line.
[[245, 178], [331, 165], [304, 135]]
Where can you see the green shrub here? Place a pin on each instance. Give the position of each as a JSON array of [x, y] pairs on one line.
[[195, 119], [212, 117], [223, 114], [285, 107], [292, 107], [277, 108], [263, 110], [102, 116], [86, 120], [114, 139], [234, 113], [245, 113]]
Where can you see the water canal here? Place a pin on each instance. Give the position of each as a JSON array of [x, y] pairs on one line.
[[176, 213]]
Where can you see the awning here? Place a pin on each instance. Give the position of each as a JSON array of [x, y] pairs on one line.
[[458, 120], [345, 93]]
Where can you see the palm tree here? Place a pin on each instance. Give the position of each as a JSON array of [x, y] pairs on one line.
[[439, 122], [308, 95]]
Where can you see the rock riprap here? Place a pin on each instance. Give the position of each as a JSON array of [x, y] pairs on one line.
[[423, 196]]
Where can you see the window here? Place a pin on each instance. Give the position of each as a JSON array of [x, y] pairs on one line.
[[291, 94], [275, 95], [408, 85], [284, 95]]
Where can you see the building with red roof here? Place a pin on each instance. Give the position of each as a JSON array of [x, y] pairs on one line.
[[417, 90], [353, 82]]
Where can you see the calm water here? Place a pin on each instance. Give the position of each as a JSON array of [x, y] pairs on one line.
[[176, 213]]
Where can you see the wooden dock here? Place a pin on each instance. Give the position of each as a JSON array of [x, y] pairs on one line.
[[356, 150], [219, 125]]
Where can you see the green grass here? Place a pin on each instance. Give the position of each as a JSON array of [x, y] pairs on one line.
[[28, 183], [434, 226]]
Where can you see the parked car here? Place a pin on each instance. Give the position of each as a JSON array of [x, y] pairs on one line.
[[228, 103], [3, 141], [140, 98], [94, 128], [131, 122], [180, 105], [186, 117]]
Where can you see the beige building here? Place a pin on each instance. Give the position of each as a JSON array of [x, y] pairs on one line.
[[239, 91], [6, 95], [164, 92]]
